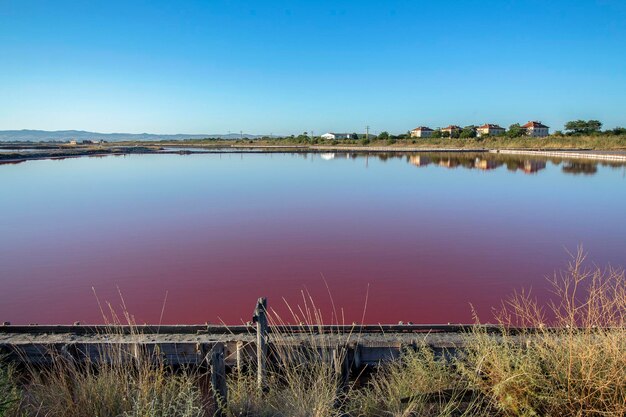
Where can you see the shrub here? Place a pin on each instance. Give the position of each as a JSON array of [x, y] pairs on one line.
[[9, 392], [414, 385], [116, 389], [574, 368]]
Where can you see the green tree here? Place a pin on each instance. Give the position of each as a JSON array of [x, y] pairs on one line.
[[384, 135], [437, 134], [582, 127], [515, 131], [455, 134], [618, 131], [468, 132]]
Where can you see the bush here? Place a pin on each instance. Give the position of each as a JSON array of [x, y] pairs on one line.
[[575, 368], [9, 393], [406, 387], [116, 389]]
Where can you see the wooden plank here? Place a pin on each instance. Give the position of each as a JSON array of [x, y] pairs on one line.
[[260, 318], [218, 379], [356, 356], [245, 329], [373, 354], [240, 356]]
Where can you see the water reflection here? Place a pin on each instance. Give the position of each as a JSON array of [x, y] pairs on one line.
[[417, 237], [484, 161], [579, 168]]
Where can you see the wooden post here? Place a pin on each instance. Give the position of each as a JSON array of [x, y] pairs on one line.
[[239, 357], [218, 379], [260, 318]]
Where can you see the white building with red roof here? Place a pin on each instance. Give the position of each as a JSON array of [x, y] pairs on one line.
[[421, 132], [536, 129], [451, 129], [489, 129]]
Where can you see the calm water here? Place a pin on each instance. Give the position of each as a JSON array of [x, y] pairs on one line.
[[424, 235]]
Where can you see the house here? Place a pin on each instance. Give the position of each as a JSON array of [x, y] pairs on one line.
[[489, 129], [421, 132], [536, 129], [336, 136], [72, 142], [448, 131]]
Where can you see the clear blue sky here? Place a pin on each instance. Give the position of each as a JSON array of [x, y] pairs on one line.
[[288, 66]]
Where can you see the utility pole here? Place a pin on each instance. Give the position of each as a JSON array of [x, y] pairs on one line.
[[367, 133], [241, 134]]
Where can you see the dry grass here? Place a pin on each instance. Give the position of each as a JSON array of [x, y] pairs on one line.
[[301, 378], [121, 381], [574, 360], [9, 391], [419, 383], [118, 385], [597, 142], [69, 389], [569, 360]]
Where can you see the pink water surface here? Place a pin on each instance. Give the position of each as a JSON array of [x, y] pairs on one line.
[[198, 238]]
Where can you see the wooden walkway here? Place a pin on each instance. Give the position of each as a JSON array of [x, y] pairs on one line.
[[217, 350], [189, 344]]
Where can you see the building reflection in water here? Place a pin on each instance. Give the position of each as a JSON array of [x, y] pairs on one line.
[[532, 166], [486, 164], [419, 160], [579, 168], [480, 161], [449, 163]]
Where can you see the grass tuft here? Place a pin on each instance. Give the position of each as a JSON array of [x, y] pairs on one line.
[[564, 357], [10, 394], [573, 366]]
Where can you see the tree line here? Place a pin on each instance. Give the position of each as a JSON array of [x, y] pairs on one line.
[[571, 128]]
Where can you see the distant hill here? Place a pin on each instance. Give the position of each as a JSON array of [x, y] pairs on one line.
[[79, 135]]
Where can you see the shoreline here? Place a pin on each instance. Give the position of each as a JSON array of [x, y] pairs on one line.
[[184, 149]]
